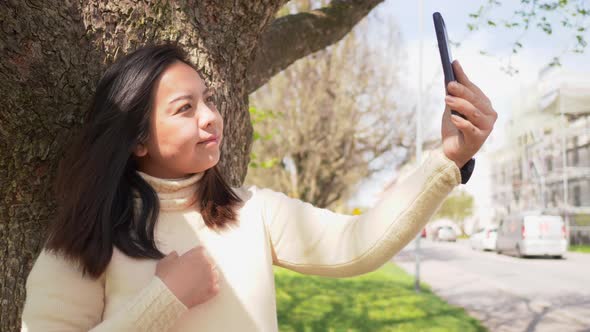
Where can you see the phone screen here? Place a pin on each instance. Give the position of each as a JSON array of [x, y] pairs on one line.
[[445, 42]]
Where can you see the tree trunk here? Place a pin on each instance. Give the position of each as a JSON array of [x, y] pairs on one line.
[[52, 54]]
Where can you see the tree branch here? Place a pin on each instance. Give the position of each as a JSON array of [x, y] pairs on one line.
[[292, 37]]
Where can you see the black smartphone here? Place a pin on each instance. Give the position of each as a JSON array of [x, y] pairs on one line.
[[445, 52]]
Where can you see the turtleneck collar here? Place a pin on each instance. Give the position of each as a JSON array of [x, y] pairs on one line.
[[174, 194]]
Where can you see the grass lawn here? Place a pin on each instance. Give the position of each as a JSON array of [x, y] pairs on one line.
[[580, 248], [383, 300]]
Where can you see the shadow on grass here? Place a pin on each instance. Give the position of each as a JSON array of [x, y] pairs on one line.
[[383, 300]]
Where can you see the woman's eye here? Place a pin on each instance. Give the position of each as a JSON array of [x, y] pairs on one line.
[[184, 108], [210, 99]]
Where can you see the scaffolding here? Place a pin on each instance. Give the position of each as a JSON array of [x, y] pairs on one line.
[[548, 134]]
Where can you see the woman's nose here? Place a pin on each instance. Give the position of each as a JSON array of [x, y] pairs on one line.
[[207, 116]]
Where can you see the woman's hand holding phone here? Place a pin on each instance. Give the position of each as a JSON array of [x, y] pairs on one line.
[[462, 138]]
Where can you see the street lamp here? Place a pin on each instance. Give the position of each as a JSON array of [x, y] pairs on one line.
[[419, 132]]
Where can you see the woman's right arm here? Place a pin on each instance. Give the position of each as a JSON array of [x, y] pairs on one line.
[[59, 298]]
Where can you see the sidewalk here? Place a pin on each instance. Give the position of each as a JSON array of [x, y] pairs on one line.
[[498, 300]]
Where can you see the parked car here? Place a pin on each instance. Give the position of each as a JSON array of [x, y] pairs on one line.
[[532, 234], [484, 239], [445, 233]]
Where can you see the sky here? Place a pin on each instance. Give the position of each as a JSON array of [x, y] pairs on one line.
[[484, 70]]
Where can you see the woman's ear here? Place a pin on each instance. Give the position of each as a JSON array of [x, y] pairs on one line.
[[140, 150]]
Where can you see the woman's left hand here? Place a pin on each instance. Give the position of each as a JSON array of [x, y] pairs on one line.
[[462, 138]]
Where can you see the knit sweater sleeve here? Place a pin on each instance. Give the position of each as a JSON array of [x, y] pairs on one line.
[[60, 298], [317, 241]]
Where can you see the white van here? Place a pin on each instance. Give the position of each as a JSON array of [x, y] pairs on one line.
[[532, 234]]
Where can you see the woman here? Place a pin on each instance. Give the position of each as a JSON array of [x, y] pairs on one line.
[[149, 236]]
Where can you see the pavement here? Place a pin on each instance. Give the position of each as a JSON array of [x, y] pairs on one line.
[[507, 293]]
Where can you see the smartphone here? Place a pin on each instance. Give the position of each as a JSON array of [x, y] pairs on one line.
[[445, 52]]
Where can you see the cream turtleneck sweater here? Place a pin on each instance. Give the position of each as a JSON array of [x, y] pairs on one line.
[[272, 229]]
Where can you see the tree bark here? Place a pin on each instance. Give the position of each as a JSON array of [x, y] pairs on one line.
[[295, 36], [52, 54]]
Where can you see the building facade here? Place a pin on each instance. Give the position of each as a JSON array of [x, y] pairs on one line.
[[546, 163]]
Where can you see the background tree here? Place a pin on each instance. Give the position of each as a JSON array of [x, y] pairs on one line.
[[457, 207], [331, 120], [545, 16], [52, 54]]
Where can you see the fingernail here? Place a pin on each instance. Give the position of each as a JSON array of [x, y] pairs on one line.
[[449, 99]]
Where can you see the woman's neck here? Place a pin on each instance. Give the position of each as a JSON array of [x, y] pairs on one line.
[[175, 194]]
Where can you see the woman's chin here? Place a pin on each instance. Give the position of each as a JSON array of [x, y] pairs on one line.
[[205, 165]]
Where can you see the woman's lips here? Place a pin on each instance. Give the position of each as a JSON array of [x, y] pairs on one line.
[[213, 139]]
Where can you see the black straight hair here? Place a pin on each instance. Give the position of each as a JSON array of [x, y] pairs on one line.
[[97, 179]]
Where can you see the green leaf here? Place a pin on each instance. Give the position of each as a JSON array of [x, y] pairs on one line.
[[269, 163], [555, 62], [545, 27], [581, 40]]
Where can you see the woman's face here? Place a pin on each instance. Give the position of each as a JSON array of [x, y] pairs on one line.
[[185, 127]]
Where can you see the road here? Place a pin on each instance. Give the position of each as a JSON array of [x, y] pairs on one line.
[[507, 293]]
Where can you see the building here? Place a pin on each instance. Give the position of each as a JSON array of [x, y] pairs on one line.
[[546, 163]]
